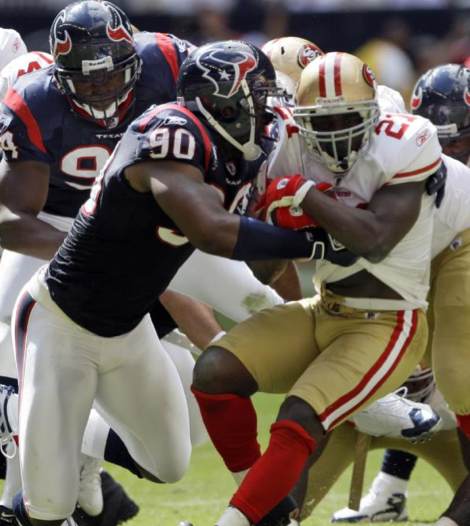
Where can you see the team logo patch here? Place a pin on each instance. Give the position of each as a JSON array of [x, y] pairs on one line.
[[466, 97], [229, 75], [423, 137], [416, 99], [62, 40], [116, 30], [368, 75], [306, 54]]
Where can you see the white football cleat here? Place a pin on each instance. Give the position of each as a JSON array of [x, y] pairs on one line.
[[396, 416], [90, 496], [376, 507]]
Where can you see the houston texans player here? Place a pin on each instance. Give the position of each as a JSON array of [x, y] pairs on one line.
[[55, 143], [166, 189]]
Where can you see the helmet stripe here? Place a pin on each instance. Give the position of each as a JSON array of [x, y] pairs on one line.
[[330, 66], [337, 74], [321, 79]]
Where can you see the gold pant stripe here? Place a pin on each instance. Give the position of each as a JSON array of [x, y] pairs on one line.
[[384, 366]]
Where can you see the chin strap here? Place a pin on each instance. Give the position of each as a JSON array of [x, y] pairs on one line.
[[251, 151]]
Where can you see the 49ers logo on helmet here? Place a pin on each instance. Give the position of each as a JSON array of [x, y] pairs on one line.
[[116, 30], [233, 70], [306, 54], [417, 99], [62, 44], [368, 75]]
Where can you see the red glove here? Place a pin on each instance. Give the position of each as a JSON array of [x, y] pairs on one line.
[[281, 202]]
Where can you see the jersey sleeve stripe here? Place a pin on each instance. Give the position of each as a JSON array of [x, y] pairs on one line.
[[16, 103], [433, 166], [169, 52], [44, 56]]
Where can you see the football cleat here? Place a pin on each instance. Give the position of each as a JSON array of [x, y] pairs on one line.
[[90, 496], [7, 517], [375, 507], [118, 507], [280, 515], [8, 445], [395, 416]]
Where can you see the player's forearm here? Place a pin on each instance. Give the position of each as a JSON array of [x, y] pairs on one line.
[[28, 235], [357, 229]]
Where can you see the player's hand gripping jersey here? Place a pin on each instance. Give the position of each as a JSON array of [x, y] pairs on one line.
[[123, 237], [403, 149], [37, 122]]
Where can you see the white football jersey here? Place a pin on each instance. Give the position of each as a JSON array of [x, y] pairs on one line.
[[19, 66], [403, 149], [453, 215]]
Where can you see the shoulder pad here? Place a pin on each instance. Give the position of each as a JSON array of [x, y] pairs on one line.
[[172, 132], [406, 146]]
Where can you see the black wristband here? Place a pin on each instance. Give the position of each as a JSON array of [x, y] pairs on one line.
[[258, 240]]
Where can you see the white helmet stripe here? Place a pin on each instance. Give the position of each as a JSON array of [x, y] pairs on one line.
[[333, 75]]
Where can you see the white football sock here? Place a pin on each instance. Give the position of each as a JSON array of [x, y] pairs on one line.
[[385, 483], [233, 517], [12, 483]]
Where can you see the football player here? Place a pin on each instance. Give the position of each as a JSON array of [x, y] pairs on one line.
[[366, 332], [165, 189], [441, 95]]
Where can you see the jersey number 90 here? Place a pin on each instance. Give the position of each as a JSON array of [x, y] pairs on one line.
[[177, 144]]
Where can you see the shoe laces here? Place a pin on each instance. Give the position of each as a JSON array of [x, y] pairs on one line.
[[8, 445]]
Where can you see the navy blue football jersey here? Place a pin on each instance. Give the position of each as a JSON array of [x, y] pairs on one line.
[[37, 122], [123, 250]]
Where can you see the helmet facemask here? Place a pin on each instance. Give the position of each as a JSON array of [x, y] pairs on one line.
[[337, 133], [101, 86]]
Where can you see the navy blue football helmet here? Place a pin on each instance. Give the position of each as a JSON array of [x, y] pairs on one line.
[[96, 64], [227, 84], [442, 95]]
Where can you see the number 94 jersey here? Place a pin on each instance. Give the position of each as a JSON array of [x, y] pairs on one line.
[[122, 244]]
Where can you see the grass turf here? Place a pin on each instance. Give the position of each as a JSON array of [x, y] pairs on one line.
[[203, 493]]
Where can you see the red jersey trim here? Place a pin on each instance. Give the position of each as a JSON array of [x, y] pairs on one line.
[[167, 47], [435, 164], [17, 104]]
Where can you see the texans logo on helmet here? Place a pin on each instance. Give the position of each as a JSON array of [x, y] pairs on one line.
[[417, 98], [232, 71], [62, 42], [117, 31], [306, 54]]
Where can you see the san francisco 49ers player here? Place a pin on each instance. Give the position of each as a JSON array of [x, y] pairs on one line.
[[441, 95], [365, 333]]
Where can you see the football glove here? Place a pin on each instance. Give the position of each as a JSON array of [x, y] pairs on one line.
[[325, 246]]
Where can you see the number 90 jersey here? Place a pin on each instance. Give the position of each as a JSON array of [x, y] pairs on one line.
[[123, 250], [403, 149]]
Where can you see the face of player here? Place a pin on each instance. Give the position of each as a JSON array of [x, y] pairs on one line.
[[459, 149], [100, 91], [341, 144]]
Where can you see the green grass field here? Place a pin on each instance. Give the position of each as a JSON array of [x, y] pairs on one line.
[[203, 493]]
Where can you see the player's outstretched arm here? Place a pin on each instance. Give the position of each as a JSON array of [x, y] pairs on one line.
[[23, 193], [197, 210]]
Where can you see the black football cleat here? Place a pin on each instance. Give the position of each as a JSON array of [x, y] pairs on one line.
[[7, 517], [280, 515], [118, 507]]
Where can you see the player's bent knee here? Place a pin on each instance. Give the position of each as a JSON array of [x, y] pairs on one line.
[[296, 409], [453, 385], [219, 371]]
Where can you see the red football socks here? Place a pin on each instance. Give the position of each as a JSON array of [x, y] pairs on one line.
[[275, 473], [464, 424], [231, 423]]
